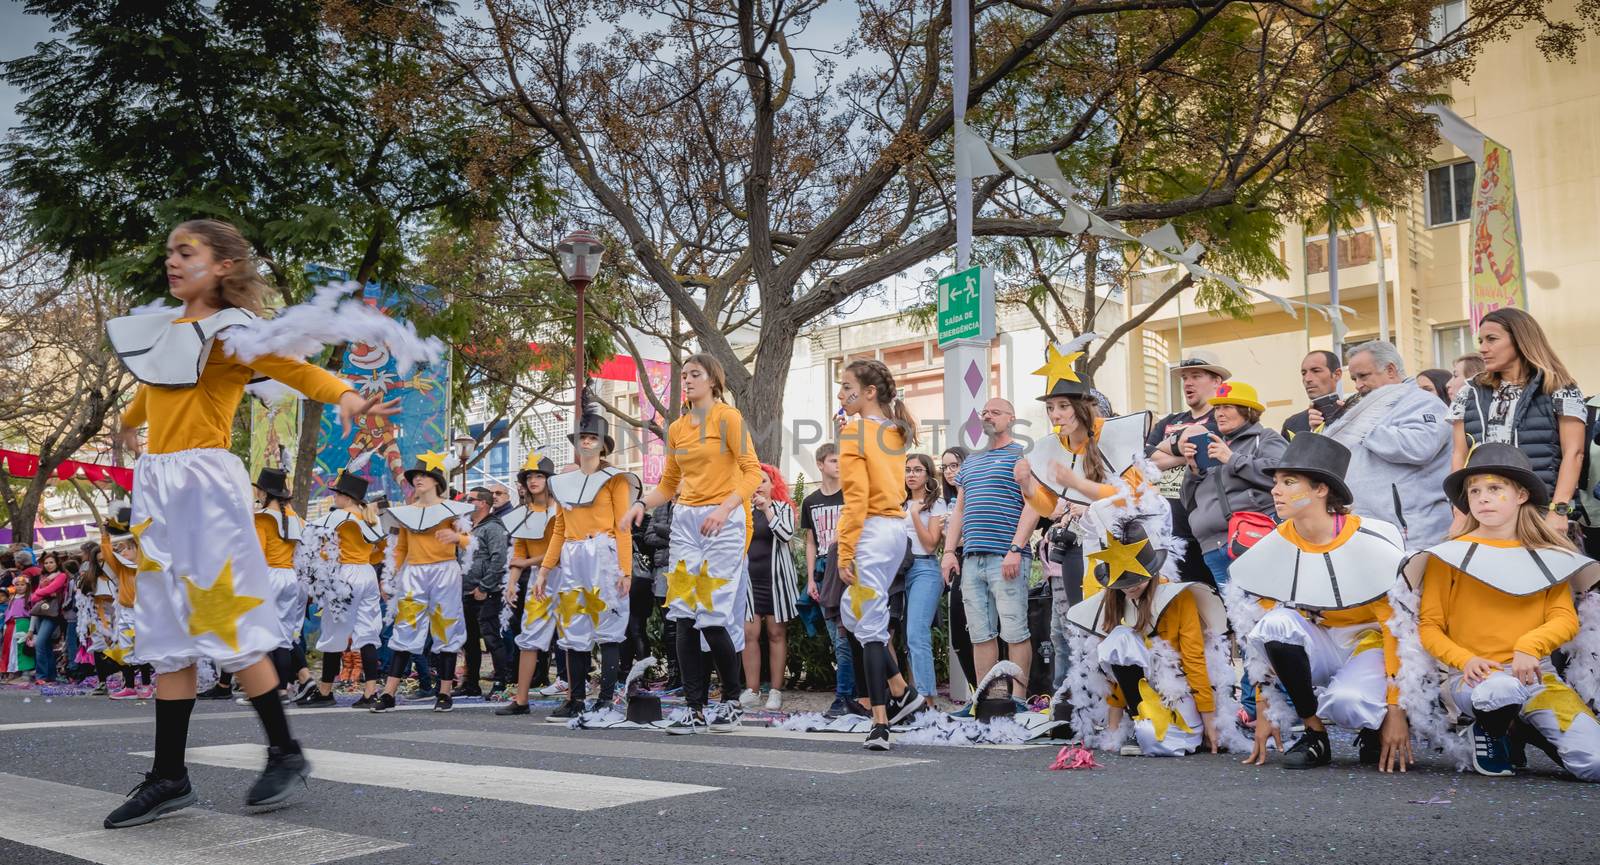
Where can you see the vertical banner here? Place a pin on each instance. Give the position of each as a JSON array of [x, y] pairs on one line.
[[1497, 267], [384, 447], [274, 434], [655, 375]]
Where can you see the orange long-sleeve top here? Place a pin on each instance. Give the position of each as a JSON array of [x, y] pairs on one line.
[[422, 548], [872, 476], [127, 584], [279, 552], [201, 416], [526, 548], [1374, 612], [1463, 617], [599, 517], [709, 460], [354, 548], [378, 549], [1180, 626]]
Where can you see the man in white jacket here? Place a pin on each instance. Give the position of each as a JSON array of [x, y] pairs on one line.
[[1399, 440]]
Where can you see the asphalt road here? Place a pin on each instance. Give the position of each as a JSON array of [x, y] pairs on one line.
[[468, 787]]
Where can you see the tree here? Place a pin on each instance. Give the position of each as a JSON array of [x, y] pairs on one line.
[[57, 388], [751, 180], [308, 123]]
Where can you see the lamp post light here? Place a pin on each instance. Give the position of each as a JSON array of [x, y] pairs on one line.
[[579, 253], [463, 443]]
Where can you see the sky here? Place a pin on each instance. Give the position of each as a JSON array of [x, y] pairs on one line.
[[19, 32]]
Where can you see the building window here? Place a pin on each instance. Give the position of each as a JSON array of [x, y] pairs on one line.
[[1450, 193], [1451, 341], [1447, 18]]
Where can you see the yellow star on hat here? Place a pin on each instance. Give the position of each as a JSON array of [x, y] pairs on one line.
[[438, 625], [680, 585], [532, 465], [593, 604], [1559, 699], [1120, 558], [408, 610], [1058, 367], [569, 604], [859, 594], [433, 461], [705, 587], [536, 610], [217, 610]]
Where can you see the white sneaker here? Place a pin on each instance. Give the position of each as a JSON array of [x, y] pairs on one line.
[[749, 699], [555, 690], [1131, 750], [774, 700]]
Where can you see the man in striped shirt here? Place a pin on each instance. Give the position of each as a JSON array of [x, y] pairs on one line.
[[991, 523]]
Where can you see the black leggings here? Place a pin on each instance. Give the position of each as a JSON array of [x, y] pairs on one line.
[[641, 605], [960, 640], [1293, 667], [332, 661], [579, 663], [880, 668], [1128, 678], [288, 662], [444, 665], [696, 676]]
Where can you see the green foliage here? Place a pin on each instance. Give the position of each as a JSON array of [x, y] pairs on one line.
[[321, 145]]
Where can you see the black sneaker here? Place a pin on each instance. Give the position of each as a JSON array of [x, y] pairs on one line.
[[423, 696], [905, 705], [513, 709], [474, 691], [689, 724], [218, 691], [317, 698], [854, 707], [444, 703], [365, 702], [153, 797], [382, 703], [1370, 747], [276, 783], [835, 710], [1311, 751], [878, 739], [302, 688], [564, 713], [723, 717]]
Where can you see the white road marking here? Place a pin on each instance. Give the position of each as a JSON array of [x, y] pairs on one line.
[[854, 739], [66, 819], [567, 790], [223, 716], [596, 744]]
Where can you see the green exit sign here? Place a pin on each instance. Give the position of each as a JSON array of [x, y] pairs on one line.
[[966, 305]]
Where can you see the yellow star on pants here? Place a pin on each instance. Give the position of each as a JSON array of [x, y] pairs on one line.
[[1058, 367], [120, 653], [217, 610], [680, 585], [1120, 558], [535, 610], [1156, 712], [705, 587], [859, 595], [568, 605], [593, 604], [146, 564], [408, 610], [1367, 640], [1560, 699], [438, 625]]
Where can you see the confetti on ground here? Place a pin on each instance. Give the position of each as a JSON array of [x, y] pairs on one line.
[[1431, 800]]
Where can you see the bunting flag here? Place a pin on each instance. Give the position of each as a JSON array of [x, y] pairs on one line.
[[21, 465]]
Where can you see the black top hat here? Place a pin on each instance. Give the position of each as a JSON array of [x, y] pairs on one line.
[[354, 486], [644, 708], [1068, 387], [274, 482], [422, 470], [1149, 556], [593, 424], [1319, 458], [545, 466], [118, 525], [1496, 459]]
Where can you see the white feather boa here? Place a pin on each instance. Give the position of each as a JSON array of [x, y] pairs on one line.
[[330, 318], [316, 566], [1088, 688], [1244, 612], [1583, 653], [391, 576], [1421, 679], [1219, 666]]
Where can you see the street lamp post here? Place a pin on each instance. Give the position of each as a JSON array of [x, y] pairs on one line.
[[463, 443], [579, 254]]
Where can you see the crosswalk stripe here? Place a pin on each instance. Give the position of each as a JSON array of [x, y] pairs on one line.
[[854, 739], [294, 712], [597, 745], [65, 819], [571, 791]]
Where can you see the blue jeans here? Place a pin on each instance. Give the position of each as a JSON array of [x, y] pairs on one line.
[[72, 648], [44, 654], [844, 683], [995, 605], [924, 587]]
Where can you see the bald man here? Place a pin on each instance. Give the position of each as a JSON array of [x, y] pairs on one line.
[[992, 524]]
